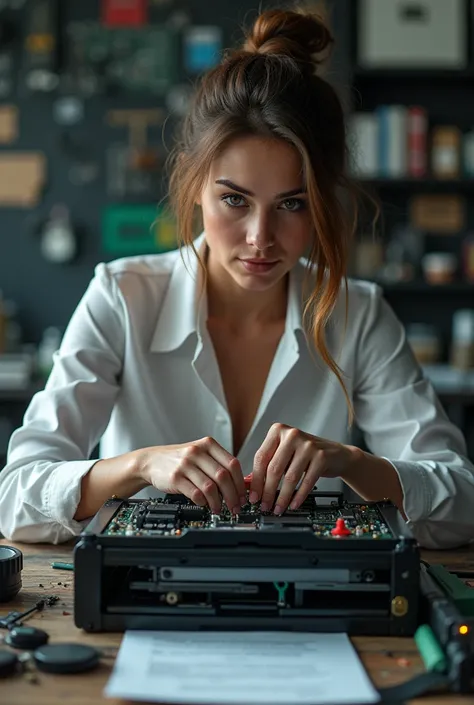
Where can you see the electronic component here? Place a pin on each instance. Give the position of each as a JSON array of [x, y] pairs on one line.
[[170, 564], [58, 238], [128, 13], [447, 606], [41, 46], [129, 58], [137, 229]]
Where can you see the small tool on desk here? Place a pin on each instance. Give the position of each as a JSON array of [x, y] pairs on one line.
[[14, 617], [62, 566]]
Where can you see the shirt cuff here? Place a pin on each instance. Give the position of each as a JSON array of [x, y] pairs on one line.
[[63, 493], [416, 488]]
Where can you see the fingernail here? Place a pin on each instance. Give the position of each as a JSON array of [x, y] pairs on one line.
[[264, 507], [243, 500], [278, 510], [253, 497], [236, 510], [294, 505]]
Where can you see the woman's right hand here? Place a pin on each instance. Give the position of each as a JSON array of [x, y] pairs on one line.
[[202, 470]]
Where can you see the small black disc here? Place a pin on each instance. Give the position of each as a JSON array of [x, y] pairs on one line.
[[66, 658], [8, 661], [26, 638]]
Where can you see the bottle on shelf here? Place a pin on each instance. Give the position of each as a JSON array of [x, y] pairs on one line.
[[439, 267], [462, 344], [446, 152]]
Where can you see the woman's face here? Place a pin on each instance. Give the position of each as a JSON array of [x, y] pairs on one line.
[[255, 212]]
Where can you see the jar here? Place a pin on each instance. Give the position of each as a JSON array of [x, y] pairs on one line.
[[462, 344], [439, 267], [425, 342]]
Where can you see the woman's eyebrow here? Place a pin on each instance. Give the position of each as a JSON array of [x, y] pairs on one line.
[[246, 192]]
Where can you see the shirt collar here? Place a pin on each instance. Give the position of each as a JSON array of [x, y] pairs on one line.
[[184, 311]]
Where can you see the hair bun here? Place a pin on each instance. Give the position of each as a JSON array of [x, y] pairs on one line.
[[300, 36]]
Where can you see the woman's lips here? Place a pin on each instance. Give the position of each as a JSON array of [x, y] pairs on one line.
[[258, 266]]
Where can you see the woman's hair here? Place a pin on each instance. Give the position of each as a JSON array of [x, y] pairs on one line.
[[271, 88]]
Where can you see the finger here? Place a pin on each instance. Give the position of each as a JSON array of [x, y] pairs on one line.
[[188, 489], [230, 463], [262, 458], [275, 471], [296, 469], [222, 478], [314, 472], [206, 485]]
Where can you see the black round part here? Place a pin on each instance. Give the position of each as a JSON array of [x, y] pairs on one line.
[[8, 661], [66, 658], [11, 564], [26, 638]]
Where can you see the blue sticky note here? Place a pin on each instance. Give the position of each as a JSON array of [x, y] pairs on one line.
[[202, 48]]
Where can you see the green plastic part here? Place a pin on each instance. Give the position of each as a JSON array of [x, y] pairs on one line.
[[461, 594], [430, 649]]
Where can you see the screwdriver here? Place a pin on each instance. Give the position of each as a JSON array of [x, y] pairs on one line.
[[14, 617]]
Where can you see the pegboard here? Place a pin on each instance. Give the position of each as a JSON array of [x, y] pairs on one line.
[[76, 120]]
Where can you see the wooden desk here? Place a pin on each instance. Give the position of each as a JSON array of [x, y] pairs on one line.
[[388, 660]]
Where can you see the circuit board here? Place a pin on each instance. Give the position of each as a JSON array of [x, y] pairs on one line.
[[135, 59], [175, 514]]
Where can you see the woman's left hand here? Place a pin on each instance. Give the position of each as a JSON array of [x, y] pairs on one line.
[[297, 456]]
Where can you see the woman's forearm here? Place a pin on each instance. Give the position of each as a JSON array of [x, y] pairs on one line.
[[114, 476], [373, 478]]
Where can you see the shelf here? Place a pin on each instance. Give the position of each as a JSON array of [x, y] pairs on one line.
[[20, 395], [414, 74], [422, 287], [428, 184]]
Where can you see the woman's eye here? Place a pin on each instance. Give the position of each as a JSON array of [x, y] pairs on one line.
[[293, 204], [233, 200]]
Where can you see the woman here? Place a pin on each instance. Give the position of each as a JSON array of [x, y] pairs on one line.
[[195, 370]]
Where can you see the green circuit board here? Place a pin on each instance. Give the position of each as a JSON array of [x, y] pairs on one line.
[[172, 516]]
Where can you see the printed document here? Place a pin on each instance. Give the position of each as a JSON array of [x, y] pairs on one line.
[[240, 668]]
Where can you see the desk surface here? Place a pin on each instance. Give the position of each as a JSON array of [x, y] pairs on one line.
[[388, 660]]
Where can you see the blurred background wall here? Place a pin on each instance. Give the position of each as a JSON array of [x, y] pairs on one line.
[[91, 92]]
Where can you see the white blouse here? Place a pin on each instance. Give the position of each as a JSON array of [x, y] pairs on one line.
[[137, 368]]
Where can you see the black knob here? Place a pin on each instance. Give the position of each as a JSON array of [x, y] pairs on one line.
[[11, 564]]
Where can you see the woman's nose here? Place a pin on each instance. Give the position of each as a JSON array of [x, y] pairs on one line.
[[261, 234]]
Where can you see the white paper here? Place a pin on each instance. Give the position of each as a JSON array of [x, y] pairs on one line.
[[240, 668]]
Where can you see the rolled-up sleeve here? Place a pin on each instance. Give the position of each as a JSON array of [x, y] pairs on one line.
[[49, 455], [403, 421]]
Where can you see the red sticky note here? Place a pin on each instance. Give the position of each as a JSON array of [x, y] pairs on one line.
[[124, 13]]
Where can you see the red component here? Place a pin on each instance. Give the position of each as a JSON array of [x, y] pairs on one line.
[[248, 480], [340, 529], [124, 13]]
